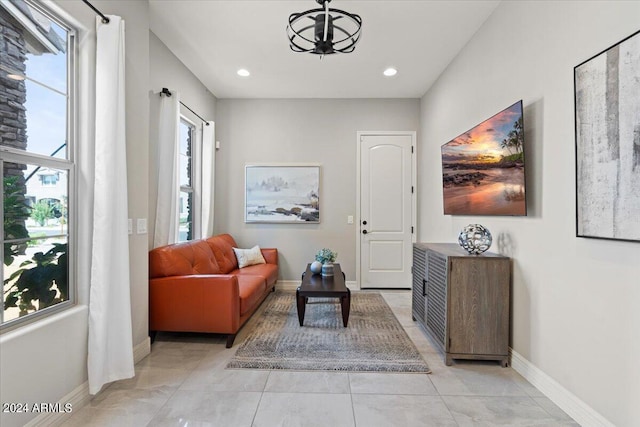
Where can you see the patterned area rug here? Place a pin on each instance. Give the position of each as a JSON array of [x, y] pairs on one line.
[[373, 341]]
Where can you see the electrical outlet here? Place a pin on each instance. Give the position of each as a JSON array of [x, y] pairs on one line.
[[350, 219]]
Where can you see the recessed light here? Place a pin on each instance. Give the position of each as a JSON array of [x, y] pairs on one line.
[[242, 72], [390, 72]]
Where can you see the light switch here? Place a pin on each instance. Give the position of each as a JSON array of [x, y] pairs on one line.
[[130, 226], [142, 226], [350, 219]]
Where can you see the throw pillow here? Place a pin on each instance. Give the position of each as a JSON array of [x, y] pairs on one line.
[[247, 257]]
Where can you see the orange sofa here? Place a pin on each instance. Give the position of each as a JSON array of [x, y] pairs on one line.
[[196, 286]]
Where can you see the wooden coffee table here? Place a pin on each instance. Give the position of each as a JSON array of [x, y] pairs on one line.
[[317, 286]]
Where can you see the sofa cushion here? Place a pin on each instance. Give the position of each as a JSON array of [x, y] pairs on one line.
[[182, 259], [269, 272], [222, 247], [247, 257], [252, 288]]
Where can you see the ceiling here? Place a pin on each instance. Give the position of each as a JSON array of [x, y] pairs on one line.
[[215, 38]]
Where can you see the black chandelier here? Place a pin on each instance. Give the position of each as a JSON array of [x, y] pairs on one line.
[[324, 31]]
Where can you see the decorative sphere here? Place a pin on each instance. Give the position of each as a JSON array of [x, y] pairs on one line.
[[316, 267], [475, 239]]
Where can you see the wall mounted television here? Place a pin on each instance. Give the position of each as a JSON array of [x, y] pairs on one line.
[[483, 169]]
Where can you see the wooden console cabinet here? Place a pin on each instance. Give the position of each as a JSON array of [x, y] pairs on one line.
[[462, 300]]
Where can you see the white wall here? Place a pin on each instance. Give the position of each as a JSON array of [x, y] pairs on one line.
[[46, 361], [321, 131], [576, 301], [165, 70], [43, 362]]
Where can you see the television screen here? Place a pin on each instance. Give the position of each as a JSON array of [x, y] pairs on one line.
[[483, 169]]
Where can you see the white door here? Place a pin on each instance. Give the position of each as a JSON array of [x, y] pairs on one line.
[[386, 209]]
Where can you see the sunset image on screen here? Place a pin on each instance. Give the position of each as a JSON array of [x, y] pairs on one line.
[[483, 169]]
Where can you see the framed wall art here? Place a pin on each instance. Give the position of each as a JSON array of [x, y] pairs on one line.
[[607, 129], [282, 194]]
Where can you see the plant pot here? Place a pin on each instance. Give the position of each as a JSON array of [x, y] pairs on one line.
[[327, 269]]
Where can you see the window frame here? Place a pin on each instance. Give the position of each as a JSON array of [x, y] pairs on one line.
[[190, 119], [68, 164]]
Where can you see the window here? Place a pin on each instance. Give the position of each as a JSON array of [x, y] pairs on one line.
[[190, 142], [37, 163], [187, 139], [49, 179]]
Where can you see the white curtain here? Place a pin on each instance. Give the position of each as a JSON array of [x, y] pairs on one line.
[[166, 228], [208, 177], [110, 355]]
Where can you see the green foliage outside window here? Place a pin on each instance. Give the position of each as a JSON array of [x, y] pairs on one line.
[[41, 212], [16, 211]]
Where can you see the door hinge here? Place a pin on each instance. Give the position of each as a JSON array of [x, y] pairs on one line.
[[412, 189], [449, 342], [412, 229], [412, 149]]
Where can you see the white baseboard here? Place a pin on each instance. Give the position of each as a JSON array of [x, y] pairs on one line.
[[292, 285], [77, 398], [142, 350], [80, 395], [582, 413]]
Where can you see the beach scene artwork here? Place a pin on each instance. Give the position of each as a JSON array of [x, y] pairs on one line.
[[282, 194], [483, 169]]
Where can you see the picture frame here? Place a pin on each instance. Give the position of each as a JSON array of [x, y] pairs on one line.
[[282, 193], [607, 143]]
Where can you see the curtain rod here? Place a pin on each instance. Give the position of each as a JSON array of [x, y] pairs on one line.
[[105, 20], [167, 92]]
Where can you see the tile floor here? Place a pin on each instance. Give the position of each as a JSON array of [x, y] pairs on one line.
[[183, 383]]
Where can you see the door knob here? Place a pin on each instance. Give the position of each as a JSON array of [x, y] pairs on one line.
[[364, 231], [364, 222]]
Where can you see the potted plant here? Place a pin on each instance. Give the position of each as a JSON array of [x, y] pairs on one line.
[[43, 279], [327, 257]]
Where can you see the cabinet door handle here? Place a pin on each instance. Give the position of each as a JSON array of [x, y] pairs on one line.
[[424, 287]]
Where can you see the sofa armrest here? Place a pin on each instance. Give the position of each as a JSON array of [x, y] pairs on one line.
[[270, 255], [195, 303]]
